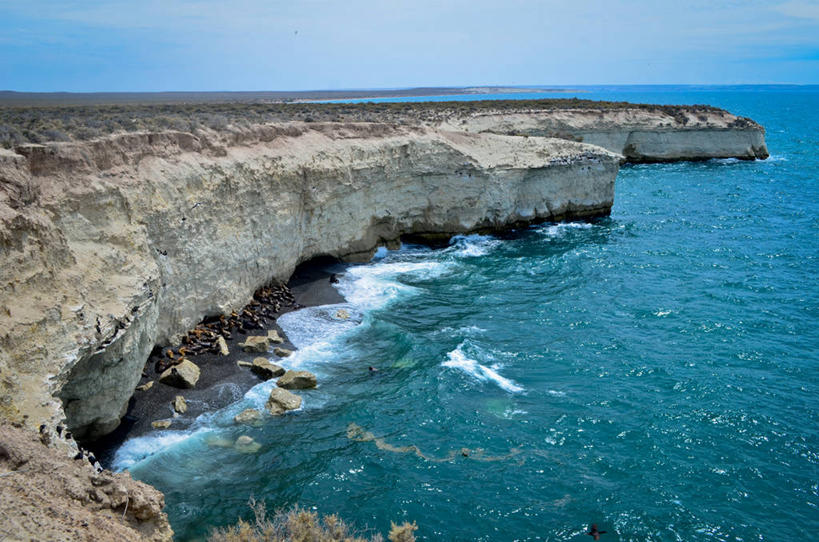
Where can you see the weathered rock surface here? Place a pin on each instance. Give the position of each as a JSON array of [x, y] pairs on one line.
[[255, 344], [281, 401], [222, 345], [274, 337], [184, 375], [146, 386], [249, 416], [282, 352], [48, 496], [266, 370], [161, 424], [180, 406], [246, 445], [639, 133], [297, 380], [110, 247]]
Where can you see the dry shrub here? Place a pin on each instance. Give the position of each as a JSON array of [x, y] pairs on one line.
[[300, 525]]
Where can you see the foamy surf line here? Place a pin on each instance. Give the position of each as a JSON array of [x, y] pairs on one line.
[[315, 331], [458, 360], [556, 230]]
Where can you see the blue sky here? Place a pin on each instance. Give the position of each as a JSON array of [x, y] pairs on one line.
[[153, 45]]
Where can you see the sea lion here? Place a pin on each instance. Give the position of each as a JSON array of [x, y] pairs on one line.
[[593, 532]]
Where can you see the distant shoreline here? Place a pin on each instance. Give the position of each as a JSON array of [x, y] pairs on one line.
[[28, 99]]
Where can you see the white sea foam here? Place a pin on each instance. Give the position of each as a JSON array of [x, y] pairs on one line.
[[137, 449], [558, 230], [458, 360], [473, 245], [370, 287], [315, 331]]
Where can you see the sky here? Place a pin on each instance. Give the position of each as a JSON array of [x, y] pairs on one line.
[[201, 45]]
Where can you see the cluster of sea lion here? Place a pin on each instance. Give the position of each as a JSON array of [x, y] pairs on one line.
[[267, 302]]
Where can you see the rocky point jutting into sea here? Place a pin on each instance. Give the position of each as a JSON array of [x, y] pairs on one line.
[[113, 246]]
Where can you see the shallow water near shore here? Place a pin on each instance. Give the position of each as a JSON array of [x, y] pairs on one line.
[[654, 372]]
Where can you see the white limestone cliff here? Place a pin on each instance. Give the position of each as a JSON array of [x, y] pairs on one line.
[[639, 133], [112, 246]]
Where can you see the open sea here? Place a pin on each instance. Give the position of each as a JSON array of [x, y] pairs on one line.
[[655, 372]]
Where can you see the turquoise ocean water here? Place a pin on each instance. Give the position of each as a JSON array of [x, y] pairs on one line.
[[655, 372]]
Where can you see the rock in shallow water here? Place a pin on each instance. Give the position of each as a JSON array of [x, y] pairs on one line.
[[247, 445], [297, 380], [184, 375], [249, 416], [265, 370], [282, 352], [281, 401]]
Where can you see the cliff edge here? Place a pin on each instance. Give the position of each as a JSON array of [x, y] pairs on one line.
[[112, 246]]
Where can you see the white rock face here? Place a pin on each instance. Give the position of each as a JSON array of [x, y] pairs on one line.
[[640, 134], [110, 247]]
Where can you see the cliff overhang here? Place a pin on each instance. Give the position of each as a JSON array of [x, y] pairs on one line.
[[113, 246]]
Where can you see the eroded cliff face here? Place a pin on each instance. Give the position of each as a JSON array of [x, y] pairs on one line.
[[640, 134], [110, 247], [48, 495]]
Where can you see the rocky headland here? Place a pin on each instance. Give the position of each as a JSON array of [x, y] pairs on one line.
[[114, 246]]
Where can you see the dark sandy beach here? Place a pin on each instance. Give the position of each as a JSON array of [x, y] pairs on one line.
[[221, 380]]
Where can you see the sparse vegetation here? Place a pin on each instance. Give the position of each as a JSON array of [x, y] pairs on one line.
[[299, 525], [47, 123]]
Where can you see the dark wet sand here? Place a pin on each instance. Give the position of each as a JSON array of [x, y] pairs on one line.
[[221, 380]]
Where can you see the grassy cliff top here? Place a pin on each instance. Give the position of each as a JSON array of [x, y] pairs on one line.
[[21, 124]]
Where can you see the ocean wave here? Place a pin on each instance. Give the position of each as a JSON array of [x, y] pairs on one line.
[[471, 246], [558, 230], [370, 287], [136, 450], [457, 359]]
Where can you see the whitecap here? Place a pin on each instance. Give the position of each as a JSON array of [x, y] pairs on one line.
[[558, 230], [458, 360], [370, 287], [138, 449], [473, 245]]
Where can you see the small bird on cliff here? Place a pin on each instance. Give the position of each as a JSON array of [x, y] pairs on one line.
[[593, 532]]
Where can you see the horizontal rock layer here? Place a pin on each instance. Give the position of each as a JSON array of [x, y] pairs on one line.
[[112, 246], [639, 133]]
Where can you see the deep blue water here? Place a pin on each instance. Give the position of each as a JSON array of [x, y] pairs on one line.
[[654, 372]]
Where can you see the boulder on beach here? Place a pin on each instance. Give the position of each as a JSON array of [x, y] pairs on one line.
[[297, 380], [183, 375], [161, 424], [258, 344], [274, 337], [180, 405], [281, 401], [244, 364], [146, 386], [282, 352], [249, 416], [265, 370], [223, 347]]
